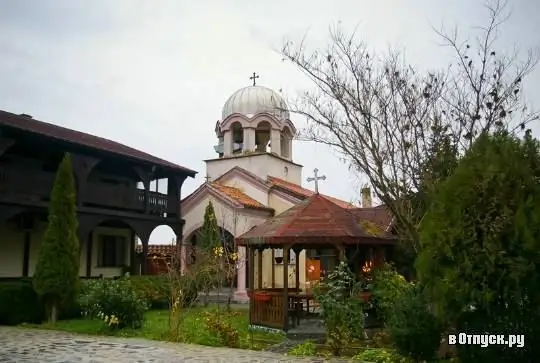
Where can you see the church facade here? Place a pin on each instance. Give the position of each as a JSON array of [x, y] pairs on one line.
[[253, 177]]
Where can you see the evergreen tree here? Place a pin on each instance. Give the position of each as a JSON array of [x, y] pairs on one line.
[[209, 236], [481, 245], [56, 279]]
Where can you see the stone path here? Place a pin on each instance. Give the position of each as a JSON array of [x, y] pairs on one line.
[[19, 345]]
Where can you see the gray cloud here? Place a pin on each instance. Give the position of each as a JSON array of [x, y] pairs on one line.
[[155, 74]]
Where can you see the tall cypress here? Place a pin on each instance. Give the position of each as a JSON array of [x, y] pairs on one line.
[[209, 235], [56, 279]]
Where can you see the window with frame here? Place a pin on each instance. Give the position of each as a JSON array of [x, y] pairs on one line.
[[278, 256], [111, 251]]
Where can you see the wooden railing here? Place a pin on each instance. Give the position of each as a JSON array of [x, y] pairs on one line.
[[26, 184], [269, 313]]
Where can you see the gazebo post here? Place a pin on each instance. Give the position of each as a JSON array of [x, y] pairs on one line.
[[251, 260], [273, 269], [251, 280], [260, 251], [297, 251], [341, 253], [286, 287]]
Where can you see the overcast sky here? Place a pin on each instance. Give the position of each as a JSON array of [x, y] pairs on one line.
[[155, 74]]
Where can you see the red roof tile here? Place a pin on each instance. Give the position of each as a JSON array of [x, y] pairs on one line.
[[158, 250], [29, 124], [238, 196], [303, 192], [316, 220], [378, 215]]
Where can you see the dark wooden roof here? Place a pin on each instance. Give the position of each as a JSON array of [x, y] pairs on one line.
[[317, 220], [28, 124]]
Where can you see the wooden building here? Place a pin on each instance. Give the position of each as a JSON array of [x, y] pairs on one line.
[[158, 259], [114, 200], [328, 233]]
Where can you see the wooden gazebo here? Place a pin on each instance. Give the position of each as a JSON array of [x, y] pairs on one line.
[[316, 223]]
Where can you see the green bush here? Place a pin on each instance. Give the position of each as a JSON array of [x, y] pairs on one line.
[[342, 312], [190, 290], [155, 290], [19, 303], [379, 355], [414, 330], [104, 299], [305, 349], [220, 326], [387, 289], [482, 248], [503, 320]]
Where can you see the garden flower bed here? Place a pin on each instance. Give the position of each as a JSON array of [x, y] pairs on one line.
[[193, 330]]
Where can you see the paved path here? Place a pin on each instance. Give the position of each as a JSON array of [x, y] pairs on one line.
[[19, 345]]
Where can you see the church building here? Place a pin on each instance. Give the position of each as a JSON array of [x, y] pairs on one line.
[[253, 177]]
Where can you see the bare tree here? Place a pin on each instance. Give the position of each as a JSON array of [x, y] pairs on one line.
[[392, 122], [231, 259]]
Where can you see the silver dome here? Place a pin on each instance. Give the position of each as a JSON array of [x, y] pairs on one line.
[[252, 100]]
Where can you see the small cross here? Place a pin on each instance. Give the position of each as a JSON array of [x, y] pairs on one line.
[[207, 178], [254, 77], [316, 179]]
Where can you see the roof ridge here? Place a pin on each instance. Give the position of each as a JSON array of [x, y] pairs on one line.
[[81, 138], [309, 192]]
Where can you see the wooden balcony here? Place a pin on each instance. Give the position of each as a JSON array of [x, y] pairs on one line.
[[25, 185]]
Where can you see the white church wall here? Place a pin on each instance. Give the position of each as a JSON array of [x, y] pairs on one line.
[[261, 165], [278, 203], [234, 221]]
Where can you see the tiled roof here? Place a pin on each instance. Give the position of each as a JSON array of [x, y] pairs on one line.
[[317, 220], [238, 196], [303, 192], [158, 250], [378, 215], [48, 130]]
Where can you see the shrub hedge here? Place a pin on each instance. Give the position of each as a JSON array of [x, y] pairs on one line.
[[19, 303], [154, 289]]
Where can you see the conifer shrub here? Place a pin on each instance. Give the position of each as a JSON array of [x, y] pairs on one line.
[[480, 246], [414, 330], [56, 280], [19, 303]]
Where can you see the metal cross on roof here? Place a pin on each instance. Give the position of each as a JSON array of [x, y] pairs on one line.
[[254, 77], [207, 178], [316, 179]]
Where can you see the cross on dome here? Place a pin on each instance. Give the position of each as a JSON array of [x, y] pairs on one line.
[[254, 78]]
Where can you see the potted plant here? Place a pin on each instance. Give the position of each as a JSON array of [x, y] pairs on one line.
[[365, 295], [365, 287], [262, 296]]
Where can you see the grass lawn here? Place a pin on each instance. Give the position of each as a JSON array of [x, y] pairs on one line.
[[156, 327]]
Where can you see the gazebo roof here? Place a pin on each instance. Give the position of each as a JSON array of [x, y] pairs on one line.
[[316, 220]]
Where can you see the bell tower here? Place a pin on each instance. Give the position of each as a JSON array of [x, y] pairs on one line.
[[255, 132]]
